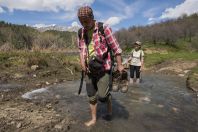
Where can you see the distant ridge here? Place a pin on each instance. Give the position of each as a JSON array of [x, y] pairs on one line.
[[43, 28]]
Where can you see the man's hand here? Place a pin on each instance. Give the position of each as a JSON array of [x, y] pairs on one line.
[[119, 63], [83, 67]]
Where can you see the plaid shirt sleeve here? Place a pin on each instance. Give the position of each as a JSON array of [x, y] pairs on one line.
[[111, 40], [81, 47]]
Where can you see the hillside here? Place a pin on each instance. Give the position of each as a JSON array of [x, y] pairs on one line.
[[22, 37], [181, 33]]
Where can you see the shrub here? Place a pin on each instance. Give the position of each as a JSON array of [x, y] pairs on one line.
[[37, 60]]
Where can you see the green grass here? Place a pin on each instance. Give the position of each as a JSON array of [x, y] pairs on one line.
[[157, 58], [19, 58], [195, 70]]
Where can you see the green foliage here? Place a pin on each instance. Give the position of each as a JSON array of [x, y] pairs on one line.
[[23, 37], [20, 36], [37, 59], [157, 58], [194, 42], [3, 58], [67, 39], [171, 32]]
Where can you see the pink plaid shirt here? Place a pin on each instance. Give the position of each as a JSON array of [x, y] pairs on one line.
[[100, 46]]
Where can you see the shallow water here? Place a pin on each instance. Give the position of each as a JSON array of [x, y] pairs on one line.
[[160, 103], [9, 87]]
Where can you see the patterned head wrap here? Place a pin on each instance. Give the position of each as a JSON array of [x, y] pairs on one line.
[[85, 11]]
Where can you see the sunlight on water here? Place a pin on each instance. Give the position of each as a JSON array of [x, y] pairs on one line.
[[29, 95]]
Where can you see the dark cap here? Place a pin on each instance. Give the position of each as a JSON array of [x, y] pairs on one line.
[[85, 11]]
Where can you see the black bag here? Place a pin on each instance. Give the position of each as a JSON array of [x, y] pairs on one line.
[[96, 66]]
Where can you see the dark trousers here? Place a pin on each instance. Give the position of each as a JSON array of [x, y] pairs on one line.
[[134, 70]]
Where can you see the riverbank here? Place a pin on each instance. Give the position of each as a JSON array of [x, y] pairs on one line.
[[187, 69], [39, 69], [168, 60], [26, 71], [23, 72]]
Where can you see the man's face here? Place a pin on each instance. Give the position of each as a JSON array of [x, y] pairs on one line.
[[86, 22]]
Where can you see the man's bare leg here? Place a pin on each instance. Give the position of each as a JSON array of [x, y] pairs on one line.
[[108, 116], [93, 115], [109, 106]]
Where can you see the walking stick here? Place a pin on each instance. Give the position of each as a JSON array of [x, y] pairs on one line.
[[81, 82]]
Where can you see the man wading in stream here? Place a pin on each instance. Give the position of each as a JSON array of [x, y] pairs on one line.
[[95, 59]]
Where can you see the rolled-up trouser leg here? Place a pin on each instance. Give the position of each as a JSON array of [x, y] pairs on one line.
[[103, 88], [138, 72], [91, 88], [132, 71]]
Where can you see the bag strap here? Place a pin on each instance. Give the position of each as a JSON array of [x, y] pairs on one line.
[[101, 30], [80, 33], [141, 55]]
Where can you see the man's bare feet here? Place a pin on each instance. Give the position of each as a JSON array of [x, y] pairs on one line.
[[90, 123]]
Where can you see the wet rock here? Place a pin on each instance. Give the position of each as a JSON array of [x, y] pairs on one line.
[[160, 106], [2, 96], [146, 99], [39, 117], [47, 73], [34, 67], [30, 110], [49, 106], [58, 126], [27, 123], [34, 75], [19, 125], [11, 109], [12, 122], [181, 75], [186, 71], [38, 85], [58, 96], [175, 109], [58, 115], [68, 127], [18, 76], [47, 83], [56, 102]]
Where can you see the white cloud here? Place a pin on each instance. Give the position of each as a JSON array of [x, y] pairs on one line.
[[1, 10], [187, 7], [150, 13], [152, 20], [113, 21], [121, 10], [69, 15], [44, 5]]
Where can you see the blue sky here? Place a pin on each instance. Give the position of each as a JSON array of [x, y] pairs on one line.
[[117, 13]]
